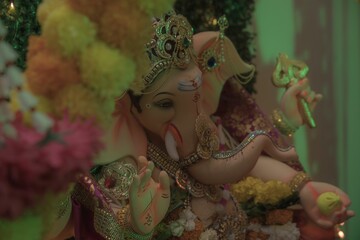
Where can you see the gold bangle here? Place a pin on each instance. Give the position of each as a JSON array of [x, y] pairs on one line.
[[298, 181], [282, 124]]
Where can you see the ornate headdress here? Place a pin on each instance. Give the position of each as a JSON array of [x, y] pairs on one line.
[[171, 45]]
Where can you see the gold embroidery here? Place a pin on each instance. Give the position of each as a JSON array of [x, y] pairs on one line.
[[207, 135], [231, 226], [107, 225], [183, 179], [83, 197], [116, 178]]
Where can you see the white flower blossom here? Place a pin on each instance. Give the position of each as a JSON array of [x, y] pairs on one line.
[[209, 234], [186, 222], [220, 209], [190, 225], [226, 195], [187, 214], [231, 236], [177, 227], [288, 231], [254, 227], [189, 219]]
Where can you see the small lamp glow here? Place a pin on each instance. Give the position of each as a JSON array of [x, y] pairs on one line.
[[341, 234], [214, 22], [11, 8]]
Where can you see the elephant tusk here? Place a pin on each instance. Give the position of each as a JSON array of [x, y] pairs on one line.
[[171, 144]]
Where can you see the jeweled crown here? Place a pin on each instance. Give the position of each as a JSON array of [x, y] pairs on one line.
[[171, 45]]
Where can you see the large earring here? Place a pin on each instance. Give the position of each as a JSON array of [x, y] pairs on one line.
[[214, 56], [207, 134]]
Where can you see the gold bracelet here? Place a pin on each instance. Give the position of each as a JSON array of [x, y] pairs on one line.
[[282, 124], [298, 181]]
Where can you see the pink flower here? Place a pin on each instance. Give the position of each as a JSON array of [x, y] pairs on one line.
[[34, 164]]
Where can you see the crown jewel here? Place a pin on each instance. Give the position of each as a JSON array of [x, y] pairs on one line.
[[171, 45]]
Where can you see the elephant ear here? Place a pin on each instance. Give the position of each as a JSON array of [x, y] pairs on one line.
[[126, 137], [219, 61]]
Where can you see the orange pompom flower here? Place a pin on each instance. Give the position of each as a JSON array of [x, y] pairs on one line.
[[80, 102], [47, 72], [36, 45], [125, 26]]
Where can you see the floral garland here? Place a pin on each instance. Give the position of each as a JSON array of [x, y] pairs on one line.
[[93, 51], [35, 163], [87, 56], [39, 157]]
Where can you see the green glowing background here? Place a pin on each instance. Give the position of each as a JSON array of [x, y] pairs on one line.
[[326, 35]]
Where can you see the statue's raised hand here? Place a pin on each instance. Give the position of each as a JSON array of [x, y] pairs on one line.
[[290, 102], [149, 200]]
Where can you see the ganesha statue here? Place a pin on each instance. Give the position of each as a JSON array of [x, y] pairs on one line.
[[181, 137]]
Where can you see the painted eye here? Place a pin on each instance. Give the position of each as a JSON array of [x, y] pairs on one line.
[[164, 103]]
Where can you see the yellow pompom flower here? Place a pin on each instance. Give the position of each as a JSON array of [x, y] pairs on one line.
[[93, 9], [156, 7], [46, 8], [68, 32], [271, 192], [246, 189], [79, 102], [254, 189], [106, 70]]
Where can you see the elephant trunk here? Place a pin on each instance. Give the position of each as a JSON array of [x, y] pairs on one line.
[[234, 165]]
